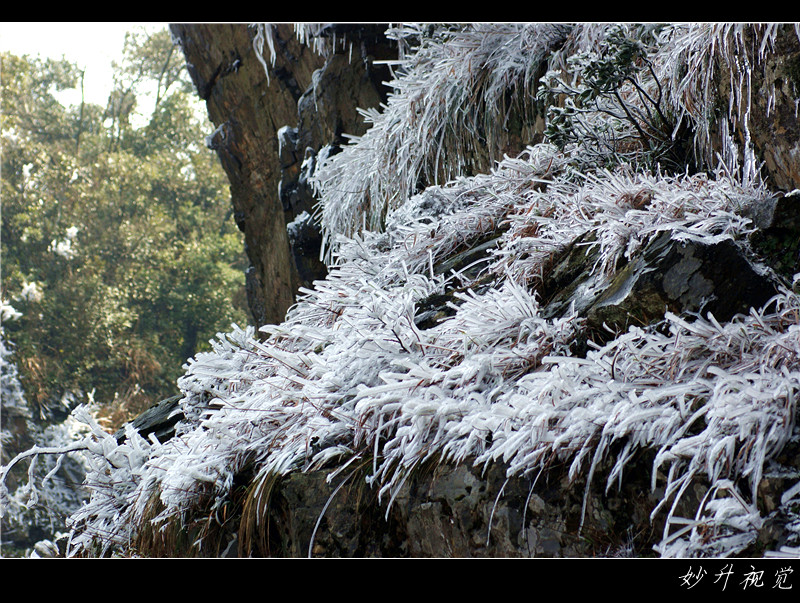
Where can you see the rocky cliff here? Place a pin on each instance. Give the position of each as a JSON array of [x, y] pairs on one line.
[[269, 128]]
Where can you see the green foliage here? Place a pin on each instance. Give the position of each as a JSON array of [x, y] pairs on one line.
[[118, 245], [611, 105]]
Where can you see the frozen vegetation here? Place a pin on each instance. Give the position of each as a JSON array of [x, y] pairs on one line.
[[52, 491], [352, 377]]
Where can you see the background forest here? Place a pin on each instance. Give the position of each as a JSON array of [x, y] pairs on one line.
[[120, 257]]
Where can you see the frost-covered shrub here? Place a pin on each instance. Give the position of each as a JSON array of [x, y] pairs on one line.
[[648, 94], [52, 492], [40, 507], [450, 103], [607, 100]]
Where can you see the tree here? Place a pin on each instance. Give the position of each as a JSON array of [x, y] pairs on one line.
[[117, 240]]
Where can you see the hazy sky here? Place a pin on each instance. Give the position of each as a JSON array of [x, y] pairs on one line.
[[91, 45]]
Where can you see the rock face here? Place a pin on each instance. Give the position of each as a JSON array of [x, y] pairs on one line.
[[778, 236], [668, 275], [454, 512], [247, 111], [159, 420], [466, 511], [267, 129], [773, 122]]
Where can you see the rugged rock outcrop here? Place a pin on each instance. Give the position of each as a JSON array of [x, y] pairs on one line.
[[464, 511], [268, 129], [456, 511], [771, 122], [669, 274]]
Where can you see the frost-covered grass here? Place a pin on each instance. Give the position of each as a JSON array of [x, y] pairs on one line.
[[454, 97], [458, 89], [351, 378], [691, 56]]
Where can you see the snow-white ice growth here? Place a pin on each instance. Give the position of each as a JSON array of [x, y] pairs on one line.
[[689, 58], [455, 94], [31, 292], [63, 248], [350, 375]]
